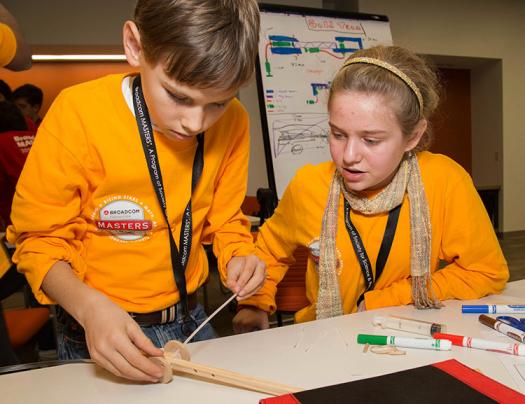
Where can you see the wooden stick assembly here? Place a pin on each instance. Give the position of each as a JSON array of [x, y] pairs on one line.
[[177, 359]]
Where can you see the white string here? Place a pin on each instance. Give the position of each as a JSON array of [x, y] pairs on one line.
[[342, 337], [319, 338], [300, 339], [209, 318]]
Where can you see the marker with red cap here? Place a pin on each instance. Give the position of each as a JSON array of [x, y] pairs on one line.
[[503, 347]]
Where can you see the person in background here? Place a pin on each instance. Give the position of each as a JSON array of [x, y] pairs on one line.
[[15, 143], [11, 118], [16, 139], [130, 174], [380, 216], [15, 54], [29, 98], [6, 94]]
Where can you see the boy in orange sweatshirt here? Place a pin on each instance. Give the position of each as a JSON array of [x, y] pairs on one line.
[[130, 174]]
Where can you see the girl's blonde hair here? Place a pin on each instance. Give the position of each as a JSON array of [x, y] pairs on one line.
[[375, 79]]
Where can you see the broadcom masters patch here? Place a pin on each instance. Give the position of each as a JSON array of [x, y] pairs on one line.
[[125, 218]]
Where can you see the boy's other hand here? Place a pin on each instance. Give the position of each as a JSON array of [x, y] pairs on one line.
[[116, 342], [246, 275], [250, 319]]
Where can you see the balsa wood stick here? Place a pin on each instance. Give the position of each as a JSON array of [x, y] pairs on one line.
[[212, 374], [177, 359]]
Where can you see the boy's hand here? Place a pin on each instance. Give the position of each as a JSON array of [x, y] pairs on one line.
[[250, 319], [245, 275], [116, 342]]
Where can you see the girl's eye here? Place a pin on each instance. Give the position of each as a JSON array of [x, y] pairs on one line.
[[337, 135], [371, 141]]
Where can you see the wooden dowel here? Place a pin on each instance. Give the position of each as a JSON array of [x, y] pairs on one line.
[[167, 375], [174, 347], [232, 378], [174, 350]]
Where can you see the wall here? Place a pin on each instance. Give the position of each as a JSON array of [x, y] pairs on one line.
[[71, 23], [480, 29]]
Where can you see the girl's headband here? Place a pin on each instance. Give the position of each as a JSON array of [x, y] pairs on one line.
[[408, 81]]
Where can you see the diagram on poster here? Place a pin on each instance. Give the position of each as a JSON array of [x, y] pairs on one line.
[[299, 53]]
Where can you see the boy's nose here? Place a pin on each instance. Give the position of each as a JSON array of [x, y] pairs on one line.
[[193, 121]]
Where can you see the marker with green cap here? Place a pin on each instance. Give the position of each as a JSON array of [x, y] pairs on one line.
[[405, 342]]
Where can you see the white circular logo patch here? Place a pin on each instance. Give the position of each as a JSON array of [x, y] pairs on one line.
[[124, 219]]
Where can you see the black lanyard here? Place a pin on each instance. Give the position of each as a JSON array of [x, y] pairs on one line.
[[178, 260], [359, 248]]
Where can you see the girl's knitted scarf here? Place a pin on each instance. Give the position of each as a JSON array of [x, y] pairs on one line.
[[407, 179]]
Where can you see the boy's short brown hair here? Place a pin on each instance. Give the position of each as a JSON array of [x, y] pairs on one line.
[[203, 43]]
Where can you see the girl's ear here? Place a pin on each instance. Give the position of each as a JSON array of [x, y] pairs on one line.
[[132, 44], [415, 137]]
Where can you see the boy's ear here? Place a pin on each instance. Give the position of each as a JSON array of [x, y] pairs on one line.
[[415, 137], [132, 44]]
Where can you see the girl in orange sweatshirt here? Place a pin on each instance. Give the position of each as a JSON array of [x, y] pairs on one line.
[[380, 217]]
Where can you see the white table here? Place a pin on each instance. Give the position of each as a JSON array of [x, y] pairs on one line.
[[305, 355]]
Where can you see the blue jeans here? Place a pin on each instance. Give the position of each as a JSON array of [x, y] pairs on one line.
[[72, 340]]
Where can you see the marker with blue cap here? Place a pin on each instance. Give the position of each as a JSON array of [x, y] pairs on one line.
[[518, 323], [493, 308]]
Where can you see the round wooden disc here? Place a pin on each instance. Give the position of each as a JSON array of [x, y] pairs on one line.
[[177, 348], [168, 374]]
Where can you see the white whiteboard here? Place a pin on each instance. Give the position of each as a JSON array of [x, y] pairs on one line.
[[300, 51]]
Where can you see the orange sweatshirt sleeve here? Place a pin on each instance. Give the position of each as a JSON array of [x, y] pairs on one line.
[[275, 245], [7, 45], [226, 225], [47, 226], [476, 265]]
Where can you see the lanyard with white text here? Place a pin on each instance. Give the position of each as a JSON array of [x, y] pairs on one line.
[[360, 251], [178, 260]]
